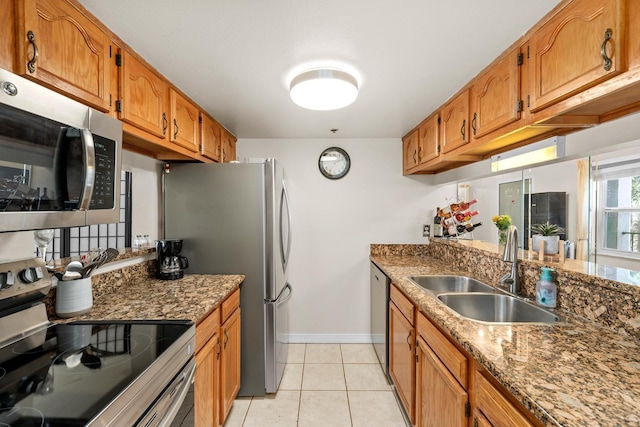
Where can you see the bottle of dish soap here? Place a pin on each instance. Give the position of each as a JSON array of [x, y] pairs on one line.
[[546, 290]]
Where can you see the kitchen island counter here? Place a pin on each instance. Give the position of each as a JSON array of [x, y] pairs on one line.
[[573, 374], [192, 298]]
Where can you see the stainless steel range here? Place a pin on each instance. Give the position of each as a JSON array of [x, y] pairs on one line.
[[104, 373]]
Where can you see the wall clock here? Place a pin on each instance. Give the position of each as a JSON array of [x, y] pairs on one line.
[[334, 163]]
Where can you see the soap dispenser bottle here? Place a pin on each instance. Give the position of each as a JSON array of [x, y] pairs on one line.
[[546, 290]]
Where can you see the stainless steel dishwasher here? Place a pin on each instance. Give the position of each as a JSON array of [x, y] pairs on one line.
[[380, 284]]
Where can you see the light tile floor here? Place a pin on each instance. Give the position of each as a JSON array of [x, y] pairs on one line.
[[324, 385]]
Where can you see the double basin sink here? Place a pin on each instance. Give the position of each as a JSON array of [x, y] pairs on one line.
[[478, 301]]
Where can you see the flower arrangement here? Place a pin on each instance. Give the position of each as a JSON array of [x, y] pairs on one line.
[[501, 221]]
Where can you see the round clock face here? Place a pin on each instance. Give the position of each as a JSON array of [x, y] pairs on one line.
[[334, 163]]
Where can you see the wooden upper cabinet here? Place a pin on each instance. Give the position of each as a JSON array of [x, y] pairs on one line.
[[185, 121], [61, 48], [144, 97], [7, 35], [579, 47], [209, 138], [454, 122], [495, 96], [228, 144], [410, 151], [429, 139]]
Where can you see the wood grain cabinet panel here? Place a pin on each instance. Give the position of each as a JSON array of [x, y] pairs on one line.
[[185, 121], [230, 363], [410, 152], [495, 96], [402, 365], [209, 138], [442, 401], [228, 143], [497, 409], [429, 139], [206, 384], [60, 48], [145, 97], [7, 35], [454, 121], [579, 47]]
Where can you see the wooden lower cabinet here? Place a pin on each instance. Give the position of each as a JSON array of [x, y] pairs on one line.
[[438, 383], [402, 366], [217, 378], [441, 400], [230, 356], [495, 407], [207, 383]]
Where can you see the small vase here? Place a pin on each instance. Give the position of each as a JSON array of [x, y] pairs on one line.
[[502, 240]]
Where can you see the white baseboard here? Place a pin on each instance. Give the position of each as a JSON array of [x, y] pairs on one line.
[[330, 338]]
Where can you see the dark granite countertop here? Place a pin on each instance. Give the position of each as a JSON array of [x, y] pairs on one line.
[[192, 298], [573, 374]]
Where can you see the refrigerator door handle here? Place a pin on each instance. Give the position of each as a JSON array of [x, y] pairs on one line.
[[286, 297], [284, 252]]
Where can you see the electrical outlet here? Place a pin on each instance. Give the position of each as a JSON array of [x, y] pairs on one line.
[[426, 230]]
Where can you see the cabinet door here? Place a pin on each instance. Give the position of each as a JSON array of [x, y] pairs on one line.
[[402, 364], [209, 138], [207, 384], [7, 35], [230, 364], [410, 152], [479, 419], [579, 47], [495, 96], [184, 121], [62, 49], [495, 406], [442, 401], [228, 146], [144, 97], [455, 122], [428, 139]]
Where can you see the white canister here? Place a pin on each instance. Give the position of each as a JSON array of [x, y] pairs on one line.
[[74, 297]]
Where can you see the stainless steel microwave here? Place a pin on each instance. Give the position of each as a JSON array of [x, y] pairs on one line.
[[59, 159]]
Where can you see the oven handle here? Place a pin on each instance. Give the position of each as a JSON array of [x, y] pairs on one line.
[[89, 155], [182, 389]]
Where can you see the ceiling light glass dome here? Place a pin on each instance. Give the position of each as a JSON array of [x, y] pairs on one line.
[[324, 89]]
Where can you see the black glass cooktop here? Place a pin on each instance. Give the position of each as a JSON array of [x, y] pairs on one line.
[[66, 374]]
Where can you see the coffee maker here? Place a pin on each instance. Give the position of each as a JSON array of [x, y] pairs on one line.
[[169, 264]]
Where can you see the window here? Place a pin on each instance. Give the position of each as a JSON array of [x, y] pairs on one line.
[[618, 212]]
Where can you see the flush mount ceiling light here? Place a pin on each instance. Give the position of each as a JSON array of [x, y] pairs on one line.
[[323, 89]]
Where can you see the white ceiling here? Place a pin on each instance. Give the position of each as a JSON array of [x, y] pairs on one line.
[[235, 58]]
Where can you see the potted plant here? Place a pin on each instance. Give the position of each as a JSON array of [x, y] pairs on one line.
[[548, 232]]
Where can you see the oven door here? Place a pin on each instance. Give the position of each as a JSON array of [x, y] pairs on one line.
[[58, 159]]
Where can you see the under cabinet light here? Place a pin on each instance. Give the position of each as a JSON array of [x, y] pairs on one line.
[[543, 151]]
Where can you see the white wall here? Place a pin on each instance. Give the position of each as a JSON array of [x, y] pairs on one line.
[[335, 221], [146, 208]]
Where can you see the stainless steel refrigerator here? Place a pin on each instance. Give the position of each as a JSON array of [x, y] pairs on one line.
[[234, 218]]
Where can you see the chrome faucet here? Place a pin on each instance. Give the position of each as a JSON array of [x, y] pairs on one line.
[[511, 255]]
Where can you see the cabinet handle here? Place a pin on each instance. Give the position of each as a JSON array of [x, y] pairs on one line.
[[175, 126], [226, 338], [473, 123], [603, 49], [409, 340], [475, 421], [219, 348], [165, 123], [31, 65], [462, 130]]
